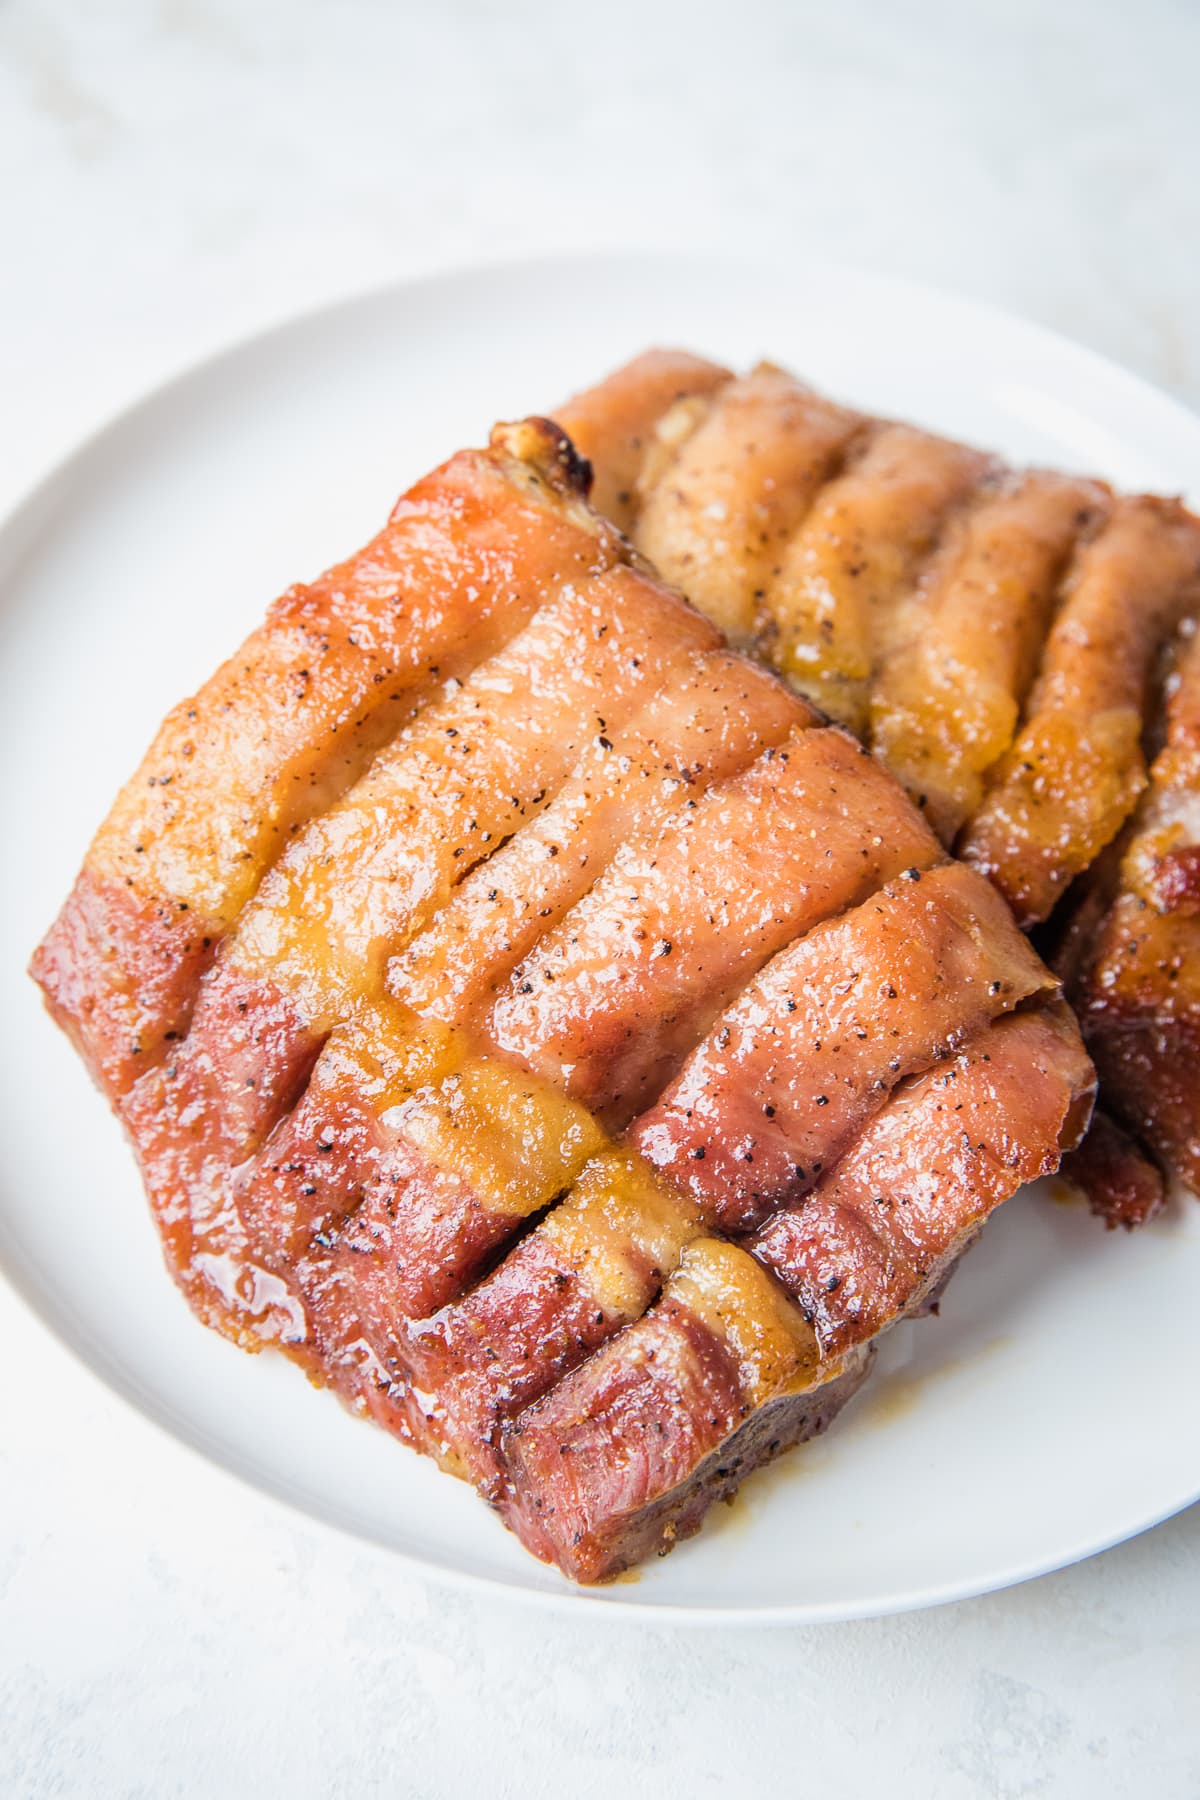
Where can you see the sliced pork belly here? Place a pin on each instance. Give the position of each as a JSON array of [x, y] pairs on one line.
[[997, 638], [947, 701], [288, 723], [471, 768], [315, 939], [812, 1047], [592, 1265], [883, 1229], [614, 423], [462, 778], [624, 1457], [890, 987], [1076, 769], [462, 1163], [855, 556], [712, 722], [377, 1133], [1136, 982], [406, 1162], [727, 502], [613, 998], [243, 1234]]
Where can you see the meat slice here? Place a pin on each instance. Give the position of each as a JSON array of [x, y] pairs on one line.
[[462, 1163], [882, 1230], [626, 1454], [718, 519], [947, 701], [613, 424], [592, 1265], [856, 554], [613, 998], [240, 1231], [406, 1162], [709, 724], [891, 987], [625, 1457], [1076, 769], [288, 723], [1136, 982], [315, 939], [462, 778], [813, 1046]]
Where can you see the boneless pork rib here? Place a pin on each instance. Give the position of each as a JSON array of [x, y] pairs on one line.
[[999, 638], [534, 1019]]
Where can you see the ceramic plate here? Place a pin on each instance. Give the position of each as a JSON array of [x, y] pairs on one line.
[[1040, 1417]]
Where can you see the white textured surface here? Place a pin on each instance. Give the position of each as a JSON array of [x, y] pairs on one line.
[[173, 174]]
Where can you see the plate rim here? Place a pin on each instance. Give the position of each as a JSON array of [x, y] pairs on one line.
[[179, 1441], [178, 1433]]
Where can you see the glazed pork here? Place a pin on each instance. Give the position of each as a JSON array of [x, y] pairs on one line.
[[730, 1363], [1132, 954], [998, 638], [534, 1018]]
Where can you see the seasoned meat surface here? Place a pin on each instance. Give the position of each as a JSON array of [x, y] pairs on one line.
[[479, 979], [949, 693], [735, 486], [998, 638], [1135, 976], [814, 1045], [617, 422], [1075, 769], [611, 1000], [845, 574]]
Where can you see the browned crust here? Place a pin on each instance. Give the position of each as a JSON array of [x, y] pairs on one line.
[[1121, 1186], [654, 1530]]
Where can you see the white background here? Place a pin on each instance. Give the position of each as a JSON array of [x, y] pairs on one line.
[[174, 174]]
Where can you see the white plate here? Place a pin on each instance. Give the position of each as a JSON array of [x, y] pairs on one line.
[[1048, 1413]]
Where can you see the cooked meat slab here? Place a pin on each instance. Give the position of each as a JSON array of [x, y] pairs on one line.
[[998, 639], [742, 469], [811, 1048], [1134, 970], [733, 1364], [505, 985], [285, 727], [1076, 767]]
